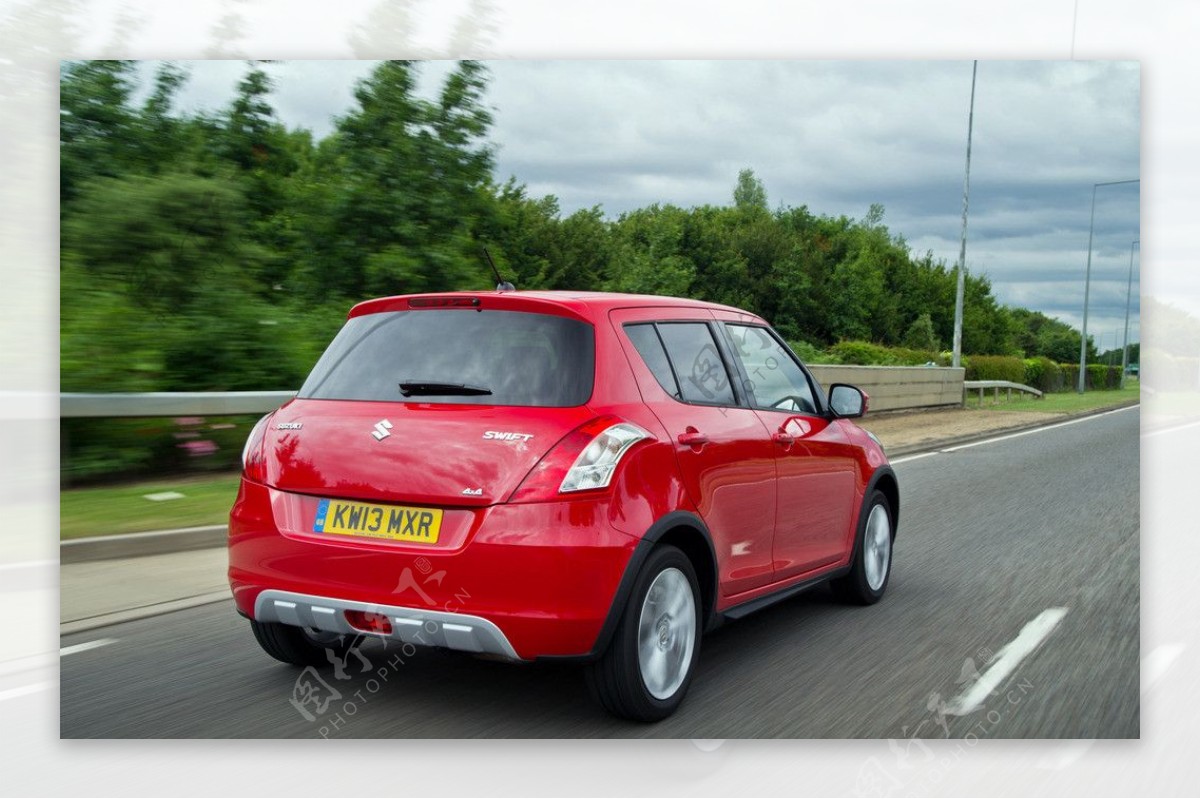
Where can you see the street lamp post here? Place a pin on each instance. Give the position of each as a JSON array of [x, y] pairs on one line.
[[956, 360], [1128, 297], [1087, 282]]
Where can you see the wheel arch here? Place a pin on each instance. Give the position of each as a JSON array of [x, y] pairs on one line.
[[884, 479], [695, 543], [680, 529]]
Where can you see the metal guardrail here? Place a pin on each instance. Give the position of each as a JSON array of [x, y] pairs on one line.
[[172, 403], [229, 403], [996, 385]]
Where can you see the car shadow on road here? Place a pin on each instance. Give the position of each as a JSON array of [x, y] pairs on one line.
[[433, 693]]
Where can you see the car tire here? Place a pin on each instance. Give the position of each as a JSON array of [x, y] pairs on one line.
[[645, 672], [296, 645], [871, 567]]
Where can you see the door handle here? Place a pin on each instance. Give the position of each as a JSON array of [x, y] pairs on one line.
[[692, 438]]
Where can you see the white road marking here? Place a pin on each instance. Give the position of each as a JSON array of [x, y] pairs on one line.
[[163, 496], [1154, 666], [908, 458], [918, 456], [1038, 429], [99, 642], [1004, 662], [25, 690]]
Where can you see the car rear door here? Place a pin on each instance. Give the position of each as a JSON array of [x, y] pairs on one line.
[[817, 470], [723, 449]]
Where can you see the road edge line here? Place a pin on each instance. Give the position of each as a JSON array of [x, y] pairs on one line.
[[143, 612], [915, 451]]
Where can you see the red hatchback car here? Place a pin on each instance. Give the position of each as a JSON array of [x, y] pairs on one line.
[[584, 476]]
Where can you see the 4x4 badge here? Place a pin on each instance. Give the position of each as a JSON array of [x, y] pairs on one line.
[[381, 429]]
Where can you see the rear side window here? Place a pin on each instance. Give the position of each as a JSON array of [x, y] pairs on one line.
[[651, 349], [525, 359], [702, 374]]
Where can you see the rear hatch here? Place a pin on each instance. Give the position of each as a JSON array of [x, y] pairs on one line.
[[423, 454], [433, 406]]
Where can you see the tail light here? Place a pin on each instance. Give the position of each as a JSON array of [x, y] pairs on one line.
[[584, 460], [254, 459]]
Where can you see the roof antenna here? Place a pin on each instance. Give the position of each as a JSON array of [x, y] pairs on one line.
[[501, 283]]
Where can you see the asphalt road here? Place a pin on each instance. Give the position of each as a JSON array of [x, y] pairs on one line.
[[1016, 562]]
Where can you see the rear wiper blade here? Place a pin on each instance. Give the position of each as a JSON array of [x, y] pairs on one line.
[[425, 388]]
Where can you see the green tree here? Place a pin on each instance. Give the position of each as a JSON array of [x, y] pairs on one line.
[[230, 340], [920, 335], [749, 194], [522, 234], [97, 126], [1062, 345], [1039, 335], [721, 273], [249, 128], [160, 290], [163, 137], [412, 186], [157, 237], [584, 252], [649, 250]]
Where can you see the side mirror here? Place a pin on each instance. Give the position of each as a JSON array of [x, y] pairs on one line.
[[847, 402]]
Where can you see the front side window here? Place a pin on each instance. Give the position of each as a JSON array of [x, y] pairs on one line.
[[458, 356], [775, 381]]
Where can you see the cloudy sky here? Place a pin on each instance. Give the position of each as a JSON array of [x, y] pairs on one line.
[[835, 136]]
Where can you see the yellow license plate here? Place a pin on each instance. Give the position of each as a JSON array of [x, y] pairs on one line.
[[393, 522]]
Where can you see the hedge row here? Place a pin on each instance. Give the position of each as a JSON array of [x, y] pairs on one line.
[[1040, 373], [1044, 375], [866, 353], [995, 367]]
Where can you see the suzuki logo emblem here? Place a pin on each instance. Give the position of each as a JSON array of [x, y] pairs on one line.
[[381, 430]]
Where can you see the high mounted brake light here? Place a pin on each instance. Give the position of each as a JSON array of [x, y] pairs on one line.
[[584, 460], [443, 302]]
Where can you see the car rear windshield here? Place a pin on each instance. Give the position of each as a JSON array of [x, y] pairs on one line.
[[458, 356]]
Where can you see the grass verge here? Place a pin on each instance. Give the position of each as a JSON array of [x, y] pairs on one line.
[[1060, 402], [125, 509]]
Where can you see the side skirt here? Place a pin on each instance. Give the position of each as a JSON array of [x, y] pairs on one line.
[[746, 608]]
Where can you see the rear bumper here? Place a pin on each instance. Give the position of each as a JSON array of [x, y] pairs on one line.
[[529, 581], [418, 626]]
